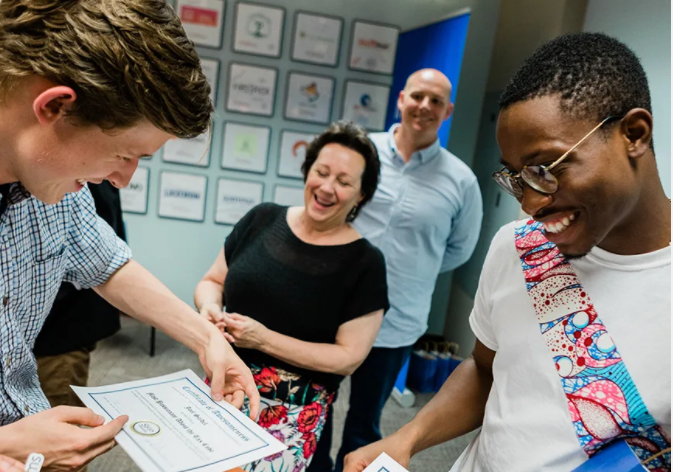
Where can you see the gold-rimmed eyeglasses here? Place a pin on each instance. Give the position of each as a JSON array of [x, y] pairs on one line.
[[539, 177]]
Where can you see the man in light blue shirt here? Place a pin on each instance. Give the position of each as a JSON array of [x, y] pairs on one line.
[[425, 217]]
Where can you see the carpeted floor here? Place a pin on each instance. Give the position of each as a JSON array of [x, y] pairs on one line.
[[125, 357]]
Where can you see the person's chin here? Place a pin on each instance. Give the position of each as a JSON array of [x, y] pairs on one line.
[[50, 198], [576, 249]]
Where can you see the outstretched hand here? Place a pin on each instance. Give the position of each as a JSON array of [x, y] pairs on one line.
[[230, 378]]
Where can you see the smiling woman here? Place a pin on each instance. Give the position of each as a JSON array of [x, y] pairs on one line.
[[310, 316]]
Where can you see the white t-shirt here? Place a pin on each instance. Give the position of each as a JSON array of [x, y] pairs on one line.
[[527, 424]]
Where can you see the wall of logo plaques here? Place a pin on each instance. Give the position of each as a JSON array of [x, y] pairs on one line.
[[278, 75]]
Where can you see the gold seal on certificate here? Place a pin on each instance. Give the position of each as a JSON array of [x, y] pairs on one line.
[[146, 428]]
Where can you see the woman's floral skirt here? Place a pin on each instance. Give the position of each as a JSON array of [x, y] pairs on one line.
[[297, 426]]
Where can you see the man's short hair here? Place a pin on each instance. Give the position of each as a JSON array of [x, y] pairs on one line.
[[125, 59], [594, 75]]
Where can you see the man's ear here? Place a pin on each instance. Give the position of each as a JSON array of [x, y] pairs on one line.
[[400, 101], [52, 104], [636, 128], [449, 111]]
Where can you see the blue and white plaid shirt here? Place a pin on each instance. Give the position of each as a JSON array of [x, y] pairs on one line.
[[40, 247]]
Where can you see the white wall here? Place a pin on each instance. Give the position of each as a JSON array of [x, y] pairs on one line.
[[645, 27], [179, 252]]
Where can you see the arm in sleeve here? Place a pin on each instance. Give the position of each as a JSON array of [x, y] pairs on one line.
[[371, 293], [480, 317], [465, 231], [95, 251]]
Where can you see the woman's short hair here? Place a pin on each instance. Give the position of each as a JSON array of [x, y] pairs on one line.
[[354, 137]]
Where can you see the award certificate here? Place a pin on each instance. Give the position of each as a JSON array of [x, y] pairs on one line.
[[175, 426]]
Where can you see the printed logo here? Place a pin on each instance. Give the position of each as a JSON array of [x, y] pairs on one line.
[[135, 187], [177, 193], [198, 16], [145, 428], [238, 200], [259, 26], [299, 149], [373, 44], [251, 89], [245, 144], [311, 92]]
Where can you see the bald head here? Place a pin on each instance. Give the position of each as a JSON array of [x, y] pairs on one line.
[[424, 104], [433, 77]]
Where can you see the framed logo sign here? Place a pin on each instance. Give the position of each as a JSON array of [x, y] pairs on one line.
[[258, 29], [211, 68], [182, 196], [366, 104], [235, 198], [373, 47], [252, 89], [246, 147], [309, 98], [317, 39], [134, 196], [288, 196], [292, 153], [193, 152], [202, 20]]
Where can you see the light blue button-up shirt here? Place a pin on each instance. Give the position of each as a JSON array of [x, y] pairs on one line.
[[40, 247], [425, 217]]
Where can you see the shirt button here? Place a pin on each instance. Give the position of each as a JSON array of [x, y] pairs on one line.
[[5, 300], [26, 409], [7, 361]]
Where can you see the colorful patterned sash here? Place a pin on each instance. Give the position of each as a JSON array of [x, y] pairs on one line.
[[604, 402]]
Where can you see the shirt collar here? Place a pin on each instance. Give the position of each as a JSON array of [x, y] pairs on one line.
[[424, 155]]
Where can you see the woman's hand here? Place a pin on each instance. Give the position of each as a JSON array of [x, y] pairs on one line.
[[244, 331], [213, 313]]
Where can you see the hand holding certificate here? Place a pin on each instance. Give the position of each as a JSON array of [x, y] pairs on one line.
[[385, 463], [174, 425]]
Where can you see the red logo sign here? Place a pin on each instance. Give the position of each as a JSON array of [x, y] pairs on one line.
[[198, 16]]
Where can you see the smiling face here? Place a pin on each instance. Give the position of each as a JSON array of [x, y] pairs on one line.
[[333, 184], [61, 158], [425, 103], [598, 182]]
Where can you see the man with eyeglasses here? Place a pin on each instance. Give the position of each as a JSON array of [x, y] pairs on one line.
[[572, 314]]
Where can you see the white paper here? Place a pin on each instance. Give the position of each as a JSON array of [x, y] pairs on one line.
[[235, 198], [195, 151], [259, 29], [373, 47], [202, 20], [385, 463], [288, 196], [246, 147], [183, 196], [252, 89], [174, 425], [309, 98], [134, 196], [210, 69], [317, 39], [292, 153], [366, 104]]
